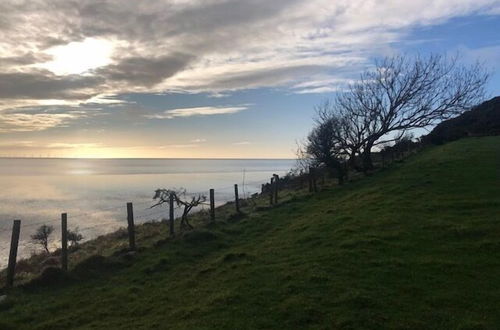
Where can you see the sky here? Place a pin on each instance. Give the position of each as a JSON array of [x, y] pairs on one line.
[[206, 78]]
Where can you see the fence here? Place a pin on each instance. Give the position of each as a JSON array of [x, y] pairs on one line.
[[134, 213], [146, 213]]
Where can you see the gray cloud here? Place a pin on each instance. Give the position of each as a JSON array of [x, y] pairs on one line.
[[262, 77], [24, 59], [42, 84], [144, 71], [205, 45], [39, 118]]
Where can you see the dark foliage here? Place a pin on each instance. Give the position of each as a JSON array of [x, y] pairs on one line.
[[481, 120], [398, 95], [42, 235], [74, 237]]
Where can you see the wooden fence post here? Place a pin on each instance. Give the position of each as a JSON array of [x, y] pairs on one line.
[[276, 183], [14, 243], [131, 229], [64, 241], [212, 205], [172, 216], [271, 189], [310, 176], [315, 186], [236, 198]]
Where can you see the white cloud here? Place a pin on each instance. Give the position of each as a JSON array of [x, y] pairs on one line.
[[61, 145], [191, 46], [495, 10], [490, 56], [24, 122], [179, 146], [242, 143], [198, 111], [17, 144], [108, 99]]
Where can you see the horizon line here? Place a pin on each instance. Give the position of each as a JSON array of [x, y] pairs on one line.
[[150, 158]]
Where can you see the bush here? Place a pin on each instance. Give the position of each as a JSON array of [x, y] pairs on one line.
[[74, 237], [42, 235]]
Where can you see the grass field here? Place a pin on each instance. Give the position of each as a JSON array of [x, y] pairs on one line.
[[413, 246]]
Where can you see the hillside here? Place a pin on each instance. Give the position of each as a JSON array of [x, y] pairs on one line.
[[414, 246], [482, 120]]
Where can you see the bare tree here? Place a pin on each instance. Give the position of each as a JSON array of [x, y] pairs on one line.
[[402, 93], [325, 147], [74, 237], [349, 129], [41, 236], [182, 200], [303, 160]]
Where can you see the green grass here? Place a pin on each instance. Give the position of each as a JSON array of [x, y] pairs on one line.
[[411, 247]]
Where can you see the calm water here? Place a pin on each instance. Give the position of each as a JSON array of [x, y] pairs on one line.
[[94, 191]]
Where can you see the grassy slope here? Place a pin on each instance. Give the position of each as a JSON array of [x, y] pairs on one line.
[[410, 247]]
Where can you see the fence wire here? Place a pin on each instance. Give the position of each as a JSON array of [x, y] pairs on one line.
[[117, 214]]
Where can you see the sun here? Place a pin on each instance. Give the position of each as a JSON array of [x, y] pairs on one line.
[[79, 57]]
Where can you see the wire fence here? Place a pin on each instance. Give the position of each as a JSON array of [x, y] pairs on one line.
[[109, 219], [104, 220]]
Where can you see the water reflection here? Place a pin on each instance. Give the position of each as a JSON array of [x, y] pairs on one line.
[[94, 192]]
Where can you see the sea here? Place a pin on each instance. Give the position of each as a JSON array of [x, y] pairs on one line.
[[94, 192]]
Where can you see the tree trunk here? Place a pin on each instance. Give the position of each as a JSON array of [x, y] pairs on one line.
[[351, 162], [340, 172], [345, 165], [336, 168], [367, 157]]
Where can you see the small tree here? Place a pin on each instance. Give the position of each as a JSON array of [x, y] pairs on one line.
[[182, 200], [42, 235], [348, 128], [303, 160], [324, 146], [74, 237]]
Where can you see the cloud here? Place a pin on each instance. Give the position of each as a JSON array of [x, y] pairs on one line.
[[61, 145], [140, 71], [192, 46], [33, 146], [179, 146], [24, 59], [242, 143], [42, 84], [108, 99], [322, 84], [242, 77], [17, 144], [27, 119], [21, 122], [198, 111], [490, 55]]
